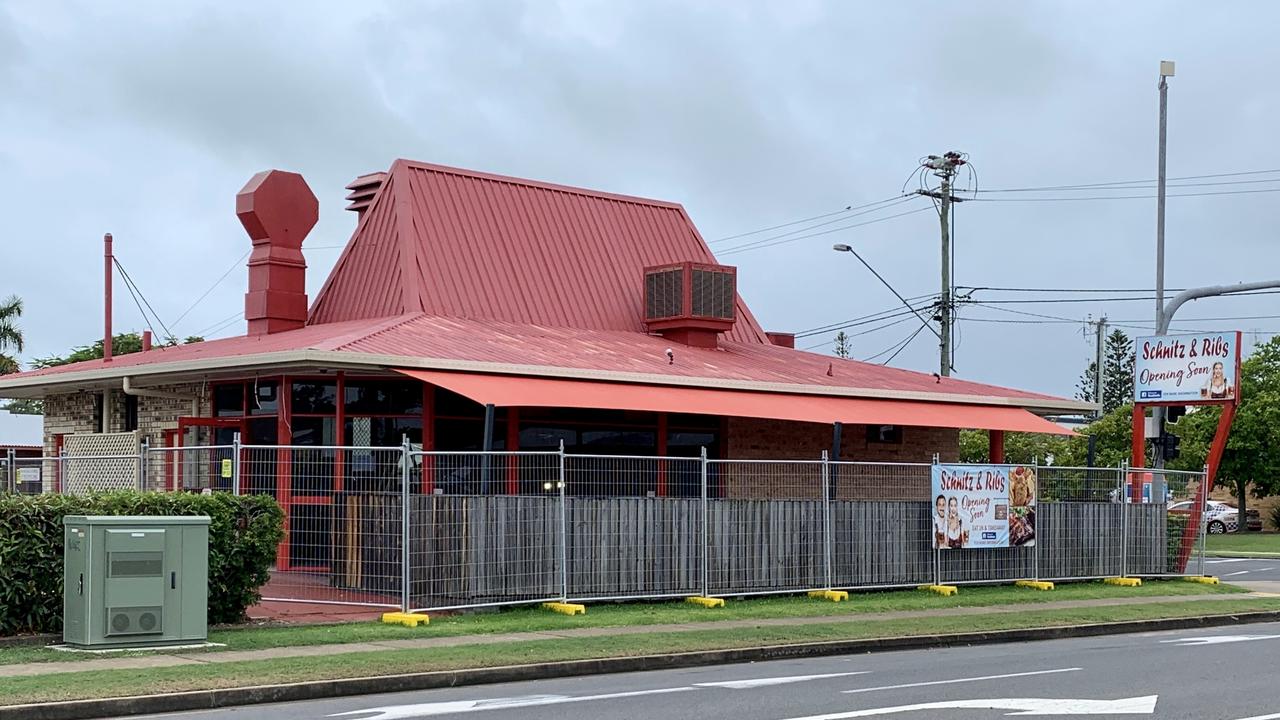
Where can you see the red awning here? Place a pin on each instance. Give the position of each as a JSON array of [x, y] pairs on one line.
[[524, 391]]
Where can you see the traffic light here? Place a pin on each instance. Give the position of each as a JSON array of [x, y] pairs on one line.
[[1174, 412], [1169, 446]]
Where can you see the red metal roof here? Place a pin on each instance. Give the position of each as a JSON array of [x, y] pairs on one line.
[[423, 337], [509, 391], [459, 243]]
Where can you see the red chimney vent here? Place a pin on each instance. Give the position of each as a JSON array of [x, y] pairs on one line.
[[689, 302], [277, 209], [781, 339]]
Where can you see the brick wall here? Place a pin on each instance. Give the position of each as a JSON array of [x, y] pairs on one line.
[[73, 413], [752, 439]]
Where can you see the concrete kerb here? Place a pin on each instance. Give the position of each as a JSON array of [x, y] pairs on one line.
[[230, 697]]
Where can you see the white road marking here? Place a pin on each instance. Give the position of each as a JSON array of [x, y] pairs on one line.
[[402, 712], [961, 680], [1239, 572], [1229, 560], [1028, 706], [765, 682], [1218, 639], [1263, 717]]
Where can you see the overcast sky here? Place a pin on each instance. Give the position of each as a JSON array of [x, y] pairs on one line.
[[144, 119]]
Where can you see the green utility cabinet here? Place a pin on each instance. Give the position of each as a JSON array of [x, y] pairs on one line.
[[135, 581]]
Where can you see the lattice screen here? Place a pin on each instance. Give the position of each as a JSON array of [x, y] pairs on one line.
[[100, 462]]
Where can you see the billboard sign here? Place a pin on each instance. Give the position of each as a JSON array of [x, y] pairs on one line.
[[1187, 368], [983, 506]]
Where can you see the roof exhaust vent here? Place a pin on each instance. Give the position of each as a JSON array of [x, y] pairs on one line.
[[277, 209], [689, 302], [363, 190]]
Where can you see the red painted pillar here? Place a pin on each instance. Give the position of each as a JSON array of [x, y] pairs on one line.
[[995, 446], [1139, 459]]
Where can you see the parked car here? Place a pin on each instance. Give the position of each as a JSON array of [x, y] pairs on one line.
[[1220, 517]]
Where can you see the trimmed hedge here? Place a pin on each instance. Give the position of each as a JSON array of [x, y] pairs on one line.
[[244, 532]]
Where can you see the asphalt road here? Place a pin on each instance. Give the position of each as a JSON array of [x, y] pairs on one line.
[[1238, 570], [1211, 674]]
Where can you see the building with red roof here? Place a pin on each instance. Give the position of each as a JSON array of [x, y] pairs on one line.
[[472, 311]]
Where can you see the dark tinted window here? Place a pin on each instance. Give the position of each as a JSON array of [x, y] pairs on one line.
[[450, 404], [383, 397], [228, 400], [891, 434], [382, 431], [315, 397]]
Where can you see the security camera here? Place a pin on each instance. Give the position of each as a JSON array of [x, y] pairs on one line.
[[671, 356]]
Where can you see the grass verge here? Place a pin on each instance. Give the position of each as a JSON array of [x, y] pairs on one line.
[[1262, 544], [533, 619], [118, 683]]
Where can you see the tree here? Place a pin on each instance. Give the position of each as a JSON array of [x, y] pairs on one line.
[[1111, 444], [10, 334], [1117, 366], [843, 346], [1251, 462]]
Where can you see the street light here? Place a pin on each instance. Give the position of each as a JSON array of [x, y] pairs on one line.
[[841, 247]]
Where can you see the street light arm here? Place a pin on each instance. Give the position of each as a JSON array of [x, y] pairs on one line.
[[1166, 317], [846, 248]]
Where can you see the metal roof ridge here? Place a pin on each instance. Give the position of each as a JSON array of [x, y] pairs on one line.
[[380, 326], [540, 184]]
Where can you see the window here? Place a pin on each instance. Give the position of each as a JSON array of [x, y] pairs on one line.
[[264, 397], [228, 400], [383, 397], [884, 434], [315, 398], [382, 431], [130, 413], [97, 414]]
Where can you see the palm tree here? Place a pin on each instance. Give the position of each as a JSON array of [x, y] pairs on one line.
[[10, 334]]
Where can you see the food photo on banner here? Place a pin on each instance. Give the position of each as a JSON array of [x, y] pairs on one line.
[[1187, 368], [983, 506]]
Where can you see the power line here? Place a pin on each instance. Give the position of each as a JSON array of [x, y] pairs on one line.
[[782, 240], [848, 208], [1123, 197], [219, 324], [131, 284], [1063, 290], [1103, 185], [215, 284], [883, 314], [892, 289]]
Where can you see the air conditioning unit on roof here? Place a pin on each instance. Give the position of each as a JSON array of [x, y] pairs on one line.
[[690, 302]]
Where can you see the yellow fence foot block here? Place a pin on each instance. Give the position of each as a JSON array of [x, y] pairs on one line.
[[1124, 582], [832, 595], [565, 608], [941, 589], [707, 602], [1203, 579], [405, 619], [1034, 584]]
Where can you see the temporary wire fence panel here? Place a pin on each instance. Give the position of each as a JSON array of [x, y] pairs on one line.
[[766, 526], [191, 469], [8, 478], [881, 525], [634, 526], [1165, 530], [1080, 523], [485, 529]]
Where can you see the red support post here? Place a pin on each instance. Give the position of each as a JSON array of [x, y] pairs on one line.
[[1216, 448], [107, 260], [1139, 458], [995, 446]]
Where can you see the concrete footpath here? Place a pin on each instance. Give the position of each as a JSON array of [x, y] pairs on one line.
[[157, 660]]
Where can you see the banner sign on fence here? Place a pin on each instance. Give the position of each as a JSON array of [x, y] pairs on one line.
[[1190, 368], [984, 506]]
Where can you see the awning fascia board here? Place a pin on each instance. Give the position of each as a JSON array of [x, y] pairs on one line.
[[522, 391]]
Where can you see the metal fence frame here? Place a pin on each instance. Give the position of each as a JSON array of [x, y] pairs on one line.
[[833, 524]]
